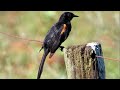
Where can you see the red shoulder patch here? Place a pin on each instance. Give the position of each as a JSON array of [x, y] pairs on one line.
[[64, 29]]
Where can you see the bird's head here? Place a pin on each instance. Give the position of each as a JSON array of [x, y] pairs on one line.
[[67, 16]]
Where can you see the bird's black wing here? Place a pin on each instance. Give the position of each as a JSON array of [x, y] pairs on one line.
[[54, 37], [51, 37]]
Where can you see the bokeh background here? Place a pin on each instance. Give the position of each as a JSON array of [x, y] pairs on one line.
[[19, 59]]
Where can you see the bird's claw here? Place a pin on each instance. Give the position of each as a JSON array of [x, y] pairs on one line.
[[61, 48]]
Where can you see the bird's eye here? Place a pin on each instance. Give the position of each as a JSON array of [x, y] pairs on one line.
[[69, 15]]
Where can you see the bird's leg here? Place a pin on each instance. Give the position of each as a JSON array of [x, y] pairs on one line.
[[61, 48]]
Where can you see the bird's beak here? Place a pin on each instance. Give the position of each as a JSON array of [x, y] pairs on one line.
[[75, 16]]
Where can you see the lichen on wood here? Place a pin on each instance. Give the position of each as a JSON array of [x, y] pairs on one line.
[[80, 62]]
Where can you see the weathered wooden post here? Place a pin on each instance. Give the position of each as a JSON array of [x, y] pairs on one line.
[[81, 61]]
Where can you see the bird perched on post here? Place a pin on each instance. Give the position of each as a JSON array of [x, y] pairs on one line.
[[55, 37]]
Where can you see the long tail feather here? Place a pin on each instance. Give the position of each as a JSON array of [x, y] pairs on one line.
[[42, 63], [41, 48]]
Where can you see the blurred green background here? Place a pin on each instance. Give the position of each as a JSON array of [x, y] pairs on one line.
[[20, 59]]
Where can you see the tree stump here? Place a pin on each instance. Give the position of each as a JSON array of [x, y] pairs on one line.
[[81, 61]]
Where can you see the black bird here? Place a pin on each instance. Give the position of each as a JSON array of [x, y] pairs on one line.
[[55, 37]]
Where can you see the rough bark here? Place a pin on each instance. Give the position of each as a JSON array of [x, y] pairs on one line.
[[81, 62]]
